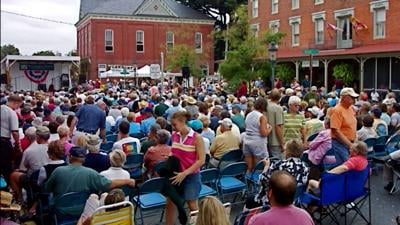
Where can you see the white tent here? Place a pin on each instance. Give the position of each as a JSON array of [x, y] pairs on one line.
[[142, 72]]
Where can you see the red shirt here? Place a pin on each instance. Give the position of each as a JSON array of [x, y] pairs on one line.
[[25, 142], [356, 162]]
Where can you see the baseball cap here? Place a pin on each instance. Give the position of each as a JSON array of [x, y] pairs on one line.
[[349, 91], [78, 152], [195, 124], [236, 106], [226, 122], [314, 110], [42, 130]]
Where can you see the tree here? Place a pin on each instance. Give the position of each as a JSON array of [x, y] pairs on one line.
[[285, 73], [183, 55], [9, 50], [344, 72], [45, 53]]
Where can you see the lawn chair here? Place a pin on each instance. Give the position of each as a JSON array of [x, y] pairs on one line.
[[232, 180], [150, 197], [380, 145], [137, 135], [69, 207], [119, 213], [209, 179]]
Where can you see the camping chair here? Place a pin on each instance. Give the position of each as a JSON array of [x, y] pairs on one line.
[[331, 196], [209, 178], [112, 137], [229, 157], [253, 177], [116, 214], [134, 164], [69, 207], [379, 147], [244, 217], [357, 194], [106, 147], [150, 197], [232, 180], [392, 143]]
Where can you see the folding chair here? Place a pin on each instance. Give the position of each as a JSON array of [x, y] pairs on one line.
[[116, 214], [229, 157], [106, 147], [379, 147], [134, 164], [137, 135], [209, 179], [331, 196], [392, 143], [206, 162], [244, 217], [112, 137], [232, 180], [69, 207], [312, 137], [357, 194], [371, 142], [150, 197], [253, 177]]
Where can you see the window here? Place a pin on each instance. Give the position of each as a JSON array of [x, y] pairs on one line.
[[319, 31], [274, 26], [109, 40], [255, 8], [198, 42], [254, 29], [139, 41], [274, 6], [379, 22], [317, 2], [295, 4], [170, 41], [295, 34]]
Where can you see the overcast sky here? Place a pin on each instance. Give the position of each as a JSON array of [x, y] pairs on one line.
[[31, 35]]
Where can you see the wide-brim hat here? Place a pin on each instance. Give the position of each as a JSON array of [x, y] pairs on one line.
[[190, 100]]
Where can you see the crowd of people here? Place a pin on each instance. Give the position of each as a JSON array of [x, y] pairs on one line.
[[56, 138]]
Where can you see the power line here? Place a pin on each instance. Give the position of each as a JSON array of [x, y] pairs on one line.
[[38, 18]]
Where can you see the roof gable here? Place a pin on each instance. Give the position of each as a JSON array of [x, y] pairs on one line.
[[155, 8]]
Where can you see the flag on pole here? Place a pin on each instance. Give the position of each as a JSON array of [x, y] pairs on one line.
[[358, 25], [330, 26]]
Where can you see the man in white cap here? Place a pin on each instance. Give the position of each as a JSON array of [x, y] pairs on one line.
[[312, 95], [343, 125]]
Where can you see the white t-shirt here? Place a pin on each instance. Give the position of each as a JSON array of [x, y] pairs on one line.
[[115, 173], [118, 144], [34, 157], [206, 145], [375, 96]]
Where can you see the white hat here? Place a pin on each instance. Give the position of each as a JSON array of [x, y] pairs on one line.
[[314, 88], [289, 91], [227, 123], [314, 110], [349, 91]]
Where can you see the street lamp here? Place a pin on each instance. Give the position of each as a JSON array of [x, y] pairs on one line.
[[135, 73], [272, 49]]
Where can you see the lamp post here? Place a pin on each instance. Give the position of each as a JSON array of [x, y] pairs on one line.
[[135, 73], [272, 49]]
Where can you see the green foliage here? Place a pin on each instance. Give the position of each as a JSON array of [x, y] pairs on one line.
[[270, 37], [45, 53], [184, 55], [73, 52], [9, 50], [239, 31], [344, 72], [285, 73]]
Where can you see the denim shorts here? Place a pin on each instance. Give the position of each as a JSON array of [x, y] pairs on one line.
[[192, 187]]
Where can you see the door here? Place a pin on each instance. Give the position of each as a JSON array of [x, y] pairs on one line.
[[344, 34]]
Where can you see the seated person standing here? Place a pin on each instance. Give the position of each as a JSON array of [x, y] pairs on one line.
[[281, 192], [76, 178], [357, 161], [96, 160], [125, 138], [157, 153], [225, 142]]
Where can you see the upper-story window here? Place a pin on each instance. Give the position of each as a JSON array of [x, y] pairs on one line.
[[255, 8], [255, 28], [378, 9], [274, 6], [109, 40], [170, 41], [317, 2], [274, 26], [295, 23], [139, 41], [295, 4], [198, 42], [319, 26]]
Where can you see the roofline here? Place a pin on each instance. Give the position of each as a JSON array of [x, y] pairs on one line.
[[144, 18], [41, 58]]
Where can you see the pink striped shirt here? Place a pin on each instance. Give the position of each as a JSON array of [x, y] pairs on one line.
[[185, 150]]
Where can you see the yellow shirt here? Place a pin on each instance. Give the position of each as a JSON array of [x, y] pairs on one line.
[[223, 143]]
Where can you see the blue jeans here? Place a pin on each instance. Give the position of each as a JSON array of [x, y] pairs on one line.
[[340, 151]]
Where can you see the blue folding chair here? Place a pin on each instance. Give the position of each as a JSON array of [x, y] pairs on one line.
[[209, 179], [244, 217], [380, 146], [253, 177], [392, 143], [69, 207], [137, 135], [149, 197], [230, 157], [206, 162], [134, 164], [112, 137], [370, 142], [106, 147], [232, 180]]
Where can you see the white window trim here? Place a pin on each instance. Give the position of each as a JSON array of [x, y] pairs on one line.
[[198, 50], [254, 15], [344, 12], [277, 8], [378, 4], [373, 6], [255, 27], [316, 2], [166, 40], [318, 15], [272, 23], [112, 40], [374, 25], [292, 20], [316, 29], [136, 42], [298, 4]]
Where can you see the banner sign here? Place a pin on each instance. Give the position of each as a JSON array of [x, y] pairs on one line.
[[26, 66]]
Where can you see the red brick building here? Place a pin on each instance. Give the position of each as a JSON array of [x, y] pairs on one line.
[[133, 33], [363, 33]]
